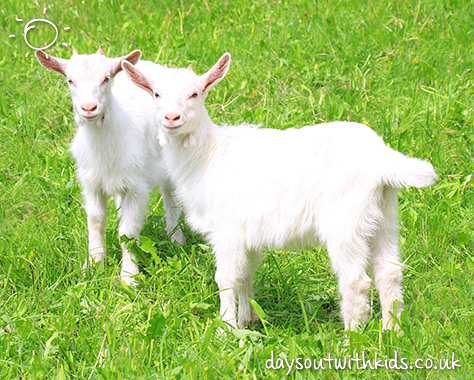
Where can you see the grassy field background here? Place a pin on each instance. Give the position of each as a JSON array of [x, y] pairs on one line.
[[402, 67]]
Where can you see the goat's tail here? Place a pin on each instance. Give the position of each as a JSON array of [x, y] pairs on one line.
[[405, 171]]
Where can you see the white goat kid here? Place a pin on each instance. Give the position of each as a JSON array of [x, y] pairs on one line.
[[247, 188], [114, 148]]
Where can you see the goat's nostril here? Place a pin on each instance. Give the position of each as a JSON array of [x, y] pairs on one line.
[[89, 107], [172, 117]]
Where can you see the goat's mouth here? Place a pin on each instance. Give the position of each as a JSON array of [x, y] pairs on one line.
[[173, 127], [91, 116]]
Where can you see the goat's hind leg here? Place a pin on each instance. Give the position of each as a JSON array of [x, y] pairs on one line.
[[349, 250], [349, 261], [386, 265]]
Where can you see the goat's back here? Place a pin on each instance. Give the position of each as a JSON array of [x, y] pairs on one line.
[[285, 183]]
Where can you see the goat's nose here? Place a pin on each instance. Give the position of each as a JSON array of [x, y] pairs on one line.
[[172, 117], [89, 107]]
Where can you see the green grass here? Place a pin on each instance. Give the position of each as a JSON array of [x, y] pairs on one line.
[[402, 67]]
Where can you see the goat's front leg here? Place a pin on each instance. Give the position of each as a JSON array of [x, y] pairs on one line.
[[95, 204], [247, 314], [234, 277], [132, 212], [226, 279], [172, 213]]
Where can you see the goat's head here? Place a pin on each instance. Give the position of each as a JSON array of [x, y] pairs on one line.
[[179, 93], [89, 78]]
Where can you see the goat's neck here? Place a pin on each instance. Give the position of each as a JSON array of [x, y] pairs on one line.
[[187, 153]]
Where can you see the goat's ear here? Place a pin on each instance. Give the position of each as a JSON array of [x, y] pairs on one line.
[[52, 63], [218, 71], [133, 58], [137, 77]]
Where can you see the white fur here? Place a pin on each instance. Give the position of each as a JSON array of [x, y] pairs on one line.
[[247, 189], [114, 149]]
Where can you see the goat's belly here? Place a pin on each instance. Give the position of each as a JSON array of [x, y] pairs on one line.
[[289, 234], [118, 183]]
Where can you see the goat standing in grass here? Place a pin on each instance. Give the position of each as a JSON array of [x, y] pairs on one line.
[[114, 148], [246, 188]]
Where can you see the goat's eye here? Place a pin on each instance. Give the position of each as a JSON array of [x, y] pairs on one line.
[[195, 95], [106, 79], [157, 95], [70, 81]]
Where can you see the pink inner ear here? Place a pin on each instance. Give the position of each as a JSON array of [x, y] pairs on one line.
[[212, 79], [133, 58], [51, 62], [216, 73], [208, 84], [138, 78]]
